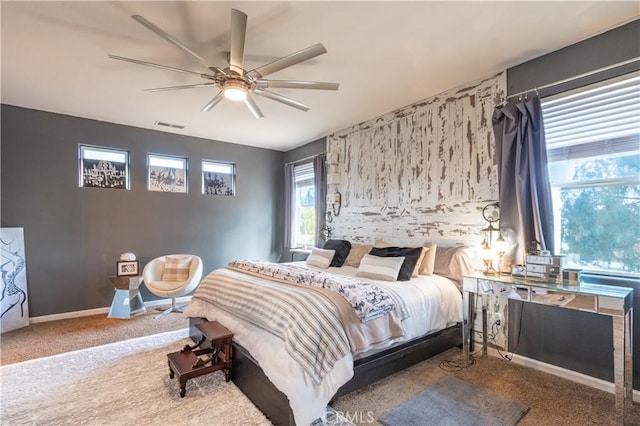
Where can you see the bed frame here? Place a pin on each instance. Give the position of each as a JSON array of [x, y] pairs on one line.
[[252, 381]]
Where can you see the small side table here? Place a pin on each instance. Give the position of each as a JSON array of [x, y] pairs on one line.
[[191, 362], [127, 301]]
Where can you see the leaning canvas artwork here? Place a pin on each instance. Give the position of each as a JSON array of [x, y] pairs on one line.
[[14, 304]]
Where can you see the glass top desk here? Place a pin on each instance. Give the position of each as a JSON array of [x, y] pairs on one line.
[[616, 302]]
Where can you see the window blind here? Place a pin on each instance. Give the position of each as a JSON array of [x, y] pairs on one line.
[[599, 120], [303, 174]]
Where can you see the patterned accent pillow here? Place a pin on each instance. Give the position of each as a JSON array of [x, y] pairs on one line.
[[411, 256], [320, 258], [380, 268], [176, 268], [356, 254], [341, 247]]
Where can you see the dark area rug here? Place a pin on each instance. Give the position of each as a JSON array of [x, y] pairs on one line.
[[453, 402]]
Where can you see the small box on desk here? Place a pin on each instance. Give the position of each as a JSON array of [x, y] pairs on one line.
[[545, 260], [544, 267]]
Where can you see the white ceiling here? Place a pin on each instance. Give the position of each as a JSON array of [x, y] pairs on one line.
[[385, 55]]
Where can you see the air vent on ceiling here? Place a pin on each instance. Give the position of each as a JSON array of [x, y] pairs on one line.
[[173, 126]]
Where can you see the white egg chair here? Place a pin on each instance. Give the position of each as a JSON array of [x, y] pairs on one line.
[[172, 275]]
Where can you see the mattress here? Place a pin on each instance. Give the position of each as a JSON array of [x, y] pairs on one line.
[[433, 303]]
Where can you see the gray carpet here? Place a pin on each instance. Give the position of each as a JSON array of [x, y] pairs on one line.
[[453, 402], [127, 383], [124, 383]]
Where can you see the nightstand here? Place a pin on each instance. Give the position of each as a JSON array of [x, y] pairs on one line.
[[127, 301]]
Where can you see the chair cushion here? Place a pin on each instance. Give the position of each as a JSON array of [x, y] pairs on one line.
[[176, 268], [165, 287]]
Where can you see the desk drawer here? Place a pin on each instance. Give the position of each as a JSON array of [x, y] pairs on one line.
[[511, 291]]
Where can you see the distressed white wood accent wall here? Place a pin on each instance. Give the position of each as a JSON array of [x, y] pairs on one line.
[[420, 173]]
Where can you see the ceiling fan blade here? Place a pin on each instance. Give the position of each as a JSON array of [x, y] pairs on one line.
[[279, 98], [253, 107], [295, 84], [213, 102], [169, 38], [287, 61], [217, 70], [188, 86], [164, 67], [238, 33]]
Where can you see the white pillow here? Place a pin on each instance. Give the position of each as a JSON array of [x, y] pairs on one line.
[[380, 268], [320, 257]]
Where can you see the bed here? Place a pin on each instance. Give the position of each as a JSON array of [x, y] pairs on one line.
[[291, 358]]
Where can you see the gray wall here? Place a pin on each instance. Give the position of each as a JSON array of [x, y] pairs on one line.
[[612, 47], [578, 341], [74, 236], [306, 151]]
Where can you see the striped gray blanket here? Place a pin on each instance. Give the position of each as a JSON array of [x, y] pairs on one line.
[[309, 325], [368, 300]]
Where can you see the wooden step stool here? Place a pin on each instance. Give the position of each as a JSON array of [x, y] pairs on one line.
[[191, 362]]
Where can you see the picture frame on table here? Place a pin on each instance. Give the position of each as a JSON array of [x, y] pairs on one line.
[[127, 268]]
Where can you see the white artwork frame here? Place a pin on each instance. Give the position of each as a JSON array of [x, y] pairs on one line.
[[14, 305], [167, 173], [102, 167], [218, 178]]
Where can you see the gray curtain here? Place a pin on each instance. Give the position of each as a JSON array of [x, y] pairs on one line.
[[523, 177], [288, 204], [320, 182]]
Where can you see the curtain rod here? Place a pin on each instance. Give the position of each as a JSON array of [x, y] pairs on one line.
[[311, 157], [567, 80]]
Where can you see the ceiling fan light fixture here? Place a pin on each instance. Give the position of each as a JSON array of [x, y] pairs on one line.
[[235, 91], [234, 82]]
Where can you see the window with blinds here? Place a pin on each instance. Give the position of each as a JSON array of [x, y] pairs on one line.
[[304, 216], [593, 148]]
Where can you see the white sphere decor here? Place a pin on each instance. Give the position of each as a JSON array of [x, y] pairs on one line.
[[128, 256]]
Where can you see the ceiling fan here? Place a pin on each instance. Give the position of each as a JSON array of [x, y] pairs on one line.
[[234, 81]]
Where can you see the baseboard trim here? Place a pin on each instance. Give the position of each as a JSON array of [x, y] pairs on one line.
[[68, 315], [564, 373], [99, 311]]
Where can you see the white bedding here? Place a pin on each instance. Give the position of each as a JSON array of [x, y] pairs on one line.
[[433, 302]]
